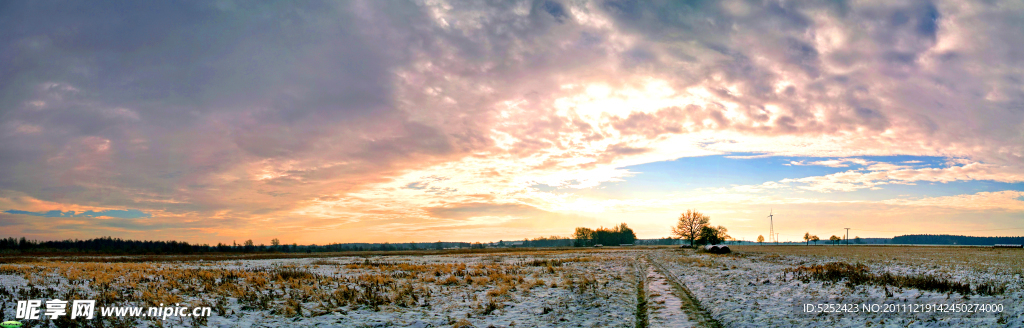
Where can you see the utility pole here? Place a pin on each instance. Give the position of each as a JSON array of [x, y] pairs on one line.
[[776, 237], [847, 236]]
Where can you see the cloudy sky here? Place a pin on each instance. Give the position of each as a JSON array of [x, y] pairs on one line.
[[373, 121]]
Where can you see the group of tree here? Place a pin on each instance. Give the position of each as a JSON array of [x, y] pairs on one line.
[[694, 227], [618, 235], [808, 237], [835, 239]]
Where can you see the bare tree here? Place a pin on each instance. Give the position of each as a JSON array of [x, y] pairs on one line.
[[689, 225], [815, 239], [807, 238], [835, 239], [760, 239]]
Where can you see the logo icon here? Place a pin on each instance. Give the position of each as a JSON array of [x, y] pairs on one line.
[[10, 324]]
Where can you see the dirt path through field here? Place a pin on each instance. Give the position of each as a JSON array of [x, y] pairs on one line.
[[680, 309], [665, 308]]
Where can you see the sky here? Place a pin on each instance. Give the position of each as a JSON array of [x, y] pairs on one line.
[[398, 121]]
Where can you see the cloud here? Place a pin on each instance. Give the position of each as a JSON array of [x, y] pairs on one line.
[[300, 116], [885, 173], [469, 210], [833, 162], [1007, 200], [124, 214]]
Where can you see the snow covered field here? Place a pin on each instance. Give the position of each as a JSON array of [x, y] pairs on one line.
[[752, 287], [535, 289], [756, 286]]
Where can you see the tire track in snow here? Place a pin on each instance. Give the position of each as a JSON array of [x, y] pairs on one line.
[[689, 304], [665, 308], [641, 270]]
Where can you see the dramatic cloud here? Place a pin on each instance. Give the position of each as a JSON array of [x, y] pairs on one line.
[[374, 121]]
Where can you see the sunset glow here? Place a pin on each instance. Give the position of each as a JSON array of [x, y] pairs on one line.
[[379, 121]]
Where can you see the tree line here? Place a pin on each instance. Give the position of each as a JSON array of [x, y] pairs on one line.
[[691, 226], [98, 245], [955, 240], [110, 245], [618, 235], [915, 240]]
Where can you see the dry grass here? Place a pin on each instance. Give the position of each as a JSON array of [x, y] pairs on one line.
[[995, 260], [302, 290], [77, 257], [859, 274]]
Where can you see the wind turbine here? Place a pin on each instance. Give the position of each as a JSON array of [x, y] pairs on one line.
[[771, 226]]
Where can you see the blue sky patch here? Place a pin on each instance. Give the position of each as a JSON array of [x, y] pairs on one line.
[[725, 171], [124, 214]]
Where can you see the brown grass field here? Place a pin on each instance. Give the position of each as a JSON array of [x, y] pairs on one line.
[[488, 285], [995, 260], [216, 256], [476, 283]]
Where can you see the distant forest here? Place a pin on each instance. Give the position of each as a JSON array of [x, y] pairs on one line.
[[954, 240], [108, 245]]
